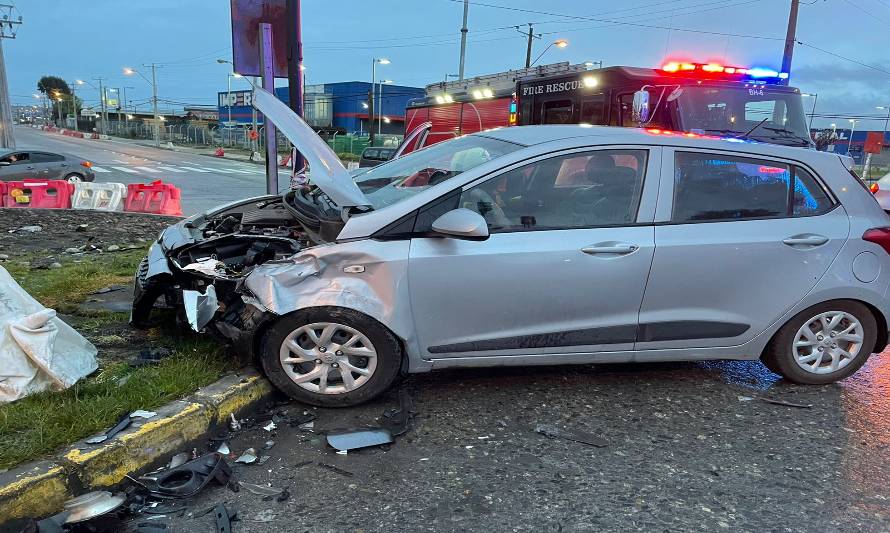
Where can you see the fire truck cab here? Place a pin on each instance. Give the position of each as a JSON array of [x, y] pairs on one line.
[[707, 99]]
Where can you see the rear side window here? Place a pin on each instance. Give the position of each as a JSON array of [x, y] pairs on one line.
[[709, 187], [40, 157]]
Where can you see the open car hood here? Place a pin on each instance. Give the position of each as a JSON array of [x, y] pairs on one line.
[[326, 169]]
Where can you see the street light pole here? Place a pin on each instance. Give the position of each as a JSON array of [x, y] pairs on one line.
[[8, 27], [850, 140], [154, 103], [102, 102], [560, 43], [74, 104], [463, 39], [373, 109], [229, 97]]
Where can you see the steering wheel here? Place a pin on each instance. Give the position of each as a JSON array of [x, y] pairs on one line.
[[495, 216]]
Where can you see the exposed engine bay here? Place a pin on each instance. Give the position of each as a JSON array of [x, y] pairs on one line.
[[221, 247]]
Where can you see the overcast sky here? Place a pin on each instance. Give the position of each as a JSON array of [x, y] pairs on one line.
[[91, 38]]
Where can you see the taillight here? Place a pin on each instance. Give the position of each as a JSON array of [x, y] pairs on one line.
[[874, 187], [879, 236], [86, 164]]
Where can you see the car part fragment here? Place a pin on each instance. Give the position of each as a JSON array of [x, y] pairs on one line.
[[360, 438], [200, 308], [91, 505], [123, 424], [188, 479]]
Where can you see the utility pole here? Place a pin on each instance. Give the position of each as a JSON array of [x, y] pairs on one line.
[[790, 39], [74, 103], [102, 103], [528, 49], [371, 115], [8, 28], [463, 40], [295, 64], [154, 104], [119, 105]]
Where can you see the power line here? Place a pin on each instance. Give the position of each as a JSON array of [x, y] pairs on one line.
[[834, 54]]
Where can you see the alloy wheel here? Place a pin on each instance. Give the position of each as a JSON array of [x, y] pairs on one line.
[[328, 357], [828, 342], [73, 178]]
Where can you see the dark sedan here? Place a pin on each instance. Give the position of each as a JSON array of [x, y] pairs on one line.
[[22, 164]]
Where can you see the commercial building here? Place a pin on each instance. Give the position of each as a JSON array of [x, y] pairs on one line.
[[332, 107]]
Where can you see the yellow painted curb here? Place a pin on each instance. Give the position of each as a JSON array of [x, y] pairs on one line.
[[38, 489], [234, 394], [175, 426]]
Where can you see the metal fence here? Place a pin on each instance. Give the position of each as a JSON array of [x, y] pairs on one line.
[[239, 138]]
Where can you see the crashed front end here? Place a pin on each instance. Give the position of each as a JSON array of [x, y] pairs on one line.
[[197, 265]]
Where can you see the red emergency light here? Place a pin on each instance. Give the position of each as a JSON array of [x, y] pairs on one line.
[[716, 69]]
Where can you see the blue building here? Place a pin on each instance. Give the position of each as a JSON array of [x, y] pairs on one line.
[[335, 107]]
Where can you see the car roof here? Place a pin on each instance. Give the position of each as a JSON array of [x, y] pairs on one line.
[[4, 151], [533, 135]]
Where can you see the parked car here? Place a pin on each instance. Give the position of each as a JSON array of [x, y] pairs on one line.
[[21, 164], [373, 156], [537, 245]]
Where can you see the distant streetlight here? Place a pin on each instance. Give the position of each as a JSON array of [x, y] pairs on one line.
[[813, 112], [886, 120], [374, 63], [154, 97], [559, 43]]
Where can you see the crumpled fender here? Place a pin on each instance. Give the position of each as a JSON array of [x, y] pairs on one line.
[[374, 282]]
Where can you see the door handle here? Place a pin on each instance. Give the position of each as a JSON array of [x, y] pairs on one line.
[[29, 168], [610, 249], [807, 239]]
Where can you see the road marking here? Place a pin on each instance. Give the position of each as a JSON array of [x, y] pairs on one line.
[[125, 169], [171, 169], [99, 169], [196, 169], [149, 170], [234, 170], [119, 161]]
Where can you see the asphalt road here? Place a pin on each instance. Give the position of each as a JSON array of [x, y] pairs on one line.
[[205, 181], [691, 447]]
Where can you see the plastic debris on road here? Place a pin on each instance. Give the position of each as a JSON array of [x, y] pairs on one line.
[[38, 351]]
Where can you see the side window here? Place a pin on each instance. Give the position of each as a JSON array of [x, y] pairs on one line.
[[17, 158], [578, 190], [592, 110], [710, 187], [556, 112], [809, 197], [39, 157], [626, 110]]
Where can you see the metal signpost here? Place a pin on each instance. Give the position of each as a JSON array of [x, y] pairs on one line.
[[8, 28], [267, 65]]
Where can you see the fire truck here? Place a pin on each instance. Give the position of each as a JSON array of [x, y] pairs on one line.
[[698, 98]]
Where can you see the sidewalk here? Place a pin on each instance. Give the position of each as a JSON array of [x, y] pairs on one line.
[[231, 153]]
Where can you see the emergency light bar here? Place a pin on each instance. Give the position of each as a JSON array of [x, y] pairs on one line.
[[675, 67]]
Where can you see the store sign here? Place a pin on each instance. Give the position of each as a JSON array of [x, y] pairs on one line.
[[236, 99]]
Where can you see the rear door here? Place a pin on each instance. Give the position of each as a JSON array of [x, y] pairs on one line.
[[48, 166], [745, 240]]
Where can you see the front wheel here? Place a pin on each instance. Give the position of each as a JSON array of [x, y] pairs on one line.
[[330, 356], [823, 344], [74, 178]]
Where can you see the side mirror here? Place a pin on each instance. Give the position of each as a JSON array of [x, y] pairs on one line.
[[641, 107], [462, 223]]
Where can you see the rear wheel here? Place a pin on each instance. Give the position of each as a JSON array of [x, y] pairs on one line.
[[330, 356], [823, 344]]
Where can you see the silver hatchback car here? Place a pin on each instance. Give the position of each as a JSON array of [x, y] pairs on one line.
[[562, 245]]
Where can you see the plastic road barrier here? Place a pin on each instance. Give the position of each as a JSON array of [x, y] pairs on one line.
[[99, 196], [157, 197], [46, 194]]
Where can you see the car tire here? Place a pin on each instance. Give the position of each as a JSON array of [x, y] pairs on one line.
[[308, 355], [74, 177], [807, 356]]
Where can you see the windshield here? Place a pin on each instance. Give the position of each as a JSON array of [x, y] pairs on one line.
[[402, 178], [769, 114]]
